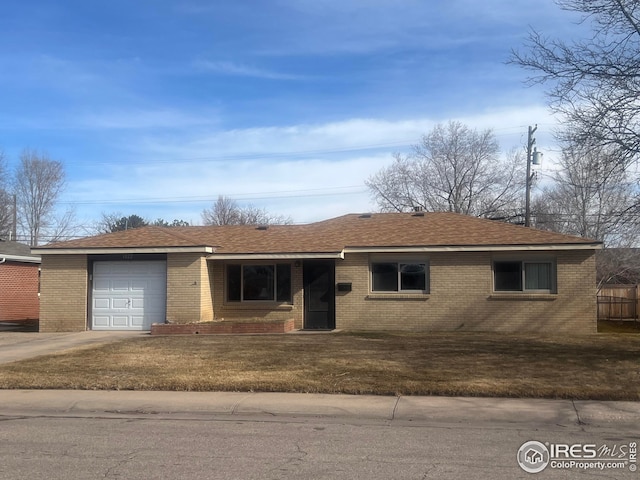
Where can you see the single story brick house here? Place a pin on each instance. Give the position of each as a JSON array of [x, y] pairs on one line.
[[19, 282], [382, 271]]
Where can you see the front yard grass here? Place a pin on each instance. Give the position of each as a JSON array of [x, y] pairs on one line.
[[603, 366]]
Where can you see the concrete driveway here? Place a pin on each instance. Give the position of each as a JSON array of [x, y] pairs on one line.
[[21, 345]]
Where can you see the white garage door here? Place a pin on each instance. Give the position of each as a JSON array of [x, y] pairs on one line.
[[128, 295]]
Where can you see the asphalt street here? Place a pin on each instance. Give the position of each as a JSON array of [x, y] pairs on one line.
[[178, 435]]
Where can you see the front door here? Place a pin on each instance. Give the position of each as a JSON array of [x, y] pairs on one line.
[[318, 278]]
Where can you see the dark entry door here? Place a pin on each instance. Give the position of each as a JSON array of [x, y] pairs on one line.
[[318, 278]]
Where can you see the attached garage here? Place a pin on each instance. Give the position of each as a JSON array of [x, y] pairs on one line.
[[128, 295]]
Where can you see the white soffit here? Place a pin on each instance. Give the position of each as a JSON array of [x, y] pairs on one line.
[[475, 248], [276, 256], [107, 251], [20, 258]]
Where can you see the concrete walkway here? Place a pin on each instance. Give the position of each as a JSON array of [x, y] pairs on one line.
[[22, 345], [457, 410]]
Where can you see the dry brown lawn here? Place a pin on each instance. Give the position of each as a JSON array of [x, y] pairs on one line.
[[603, 366], [616, 326]]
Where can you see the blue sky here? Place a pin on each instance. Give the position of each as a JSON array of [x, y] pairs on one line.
[[156, 107]]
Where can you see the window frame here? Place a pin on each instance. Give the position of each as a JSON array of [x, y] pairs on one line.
[[276, 288], [523, 262], [399, 262]]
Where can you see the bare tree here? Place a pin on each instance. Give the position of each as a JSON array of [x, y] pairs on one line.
[[226, 211], [6, 200], [62, 226], [595, 82], [38, 183], [223, 212], [252, 215], [618, 265], [592, 196], [453, 169]]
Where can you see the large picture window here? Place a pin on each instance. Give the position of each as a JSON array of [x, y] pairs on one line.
[[522, 276], [255, 283], [411, 277]]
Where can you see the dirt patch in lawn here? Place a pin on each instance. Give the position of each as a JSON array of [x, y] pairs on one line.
[[619, 326], [603, 366]]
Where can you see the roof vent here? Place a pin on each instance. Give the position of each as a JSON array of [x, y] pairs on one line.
[[262, 227], [418, 211], [365, 215]]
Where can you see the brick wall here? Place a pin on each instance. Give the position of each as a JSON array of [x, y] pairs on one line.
[[188, 289], [461, 297], [63, 298], [259, 310], [226, 327], [19, 291]]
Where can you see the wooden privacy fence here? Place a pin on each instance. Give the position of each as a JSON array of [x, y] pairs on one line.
[[618, 302]]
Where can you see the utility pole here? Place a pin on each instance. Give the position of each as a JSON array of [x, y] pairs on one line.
[[527, 206], [14, 229]]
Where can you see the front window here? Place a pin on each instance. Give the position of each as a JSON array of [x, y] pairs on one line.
[[399, 277], [519, 276], [266, 283]]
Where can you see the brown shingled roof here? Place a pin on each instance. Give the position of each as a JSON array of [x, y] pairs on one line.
[[354, 230], [438, 229], [134, 238]]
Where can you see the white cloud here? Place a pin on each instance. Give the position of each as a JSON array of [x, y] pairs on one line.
[[309, 172], [236, 69], [327, 27], [299, 141], [307, 191], [139, 118]]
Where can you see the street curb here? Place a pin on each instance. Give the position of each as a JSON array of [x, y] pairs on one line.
[[456, 410]]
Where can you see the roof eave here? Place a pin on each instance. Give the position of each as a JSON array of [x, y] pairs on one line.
[[477, 248], [278, 256], [20, 258], [120, 250]]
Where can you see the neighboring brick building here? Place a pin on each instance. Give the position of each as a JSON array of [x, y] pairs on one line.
[[389, 271], [19, 282]]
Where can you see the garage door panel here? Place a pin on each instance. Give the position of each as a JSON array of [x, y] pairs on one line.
[[121, 268], [120, 303], [101, 321], [129, 295], [120, 320], [140, 285], [138, 302], [99, 303], [101, 285], [154, 269], [120, 285], [101, 268]]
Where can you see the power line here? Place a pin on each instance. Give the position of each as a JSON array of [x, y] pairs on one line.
[[223, 158], [293, 154], [319, 192]]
